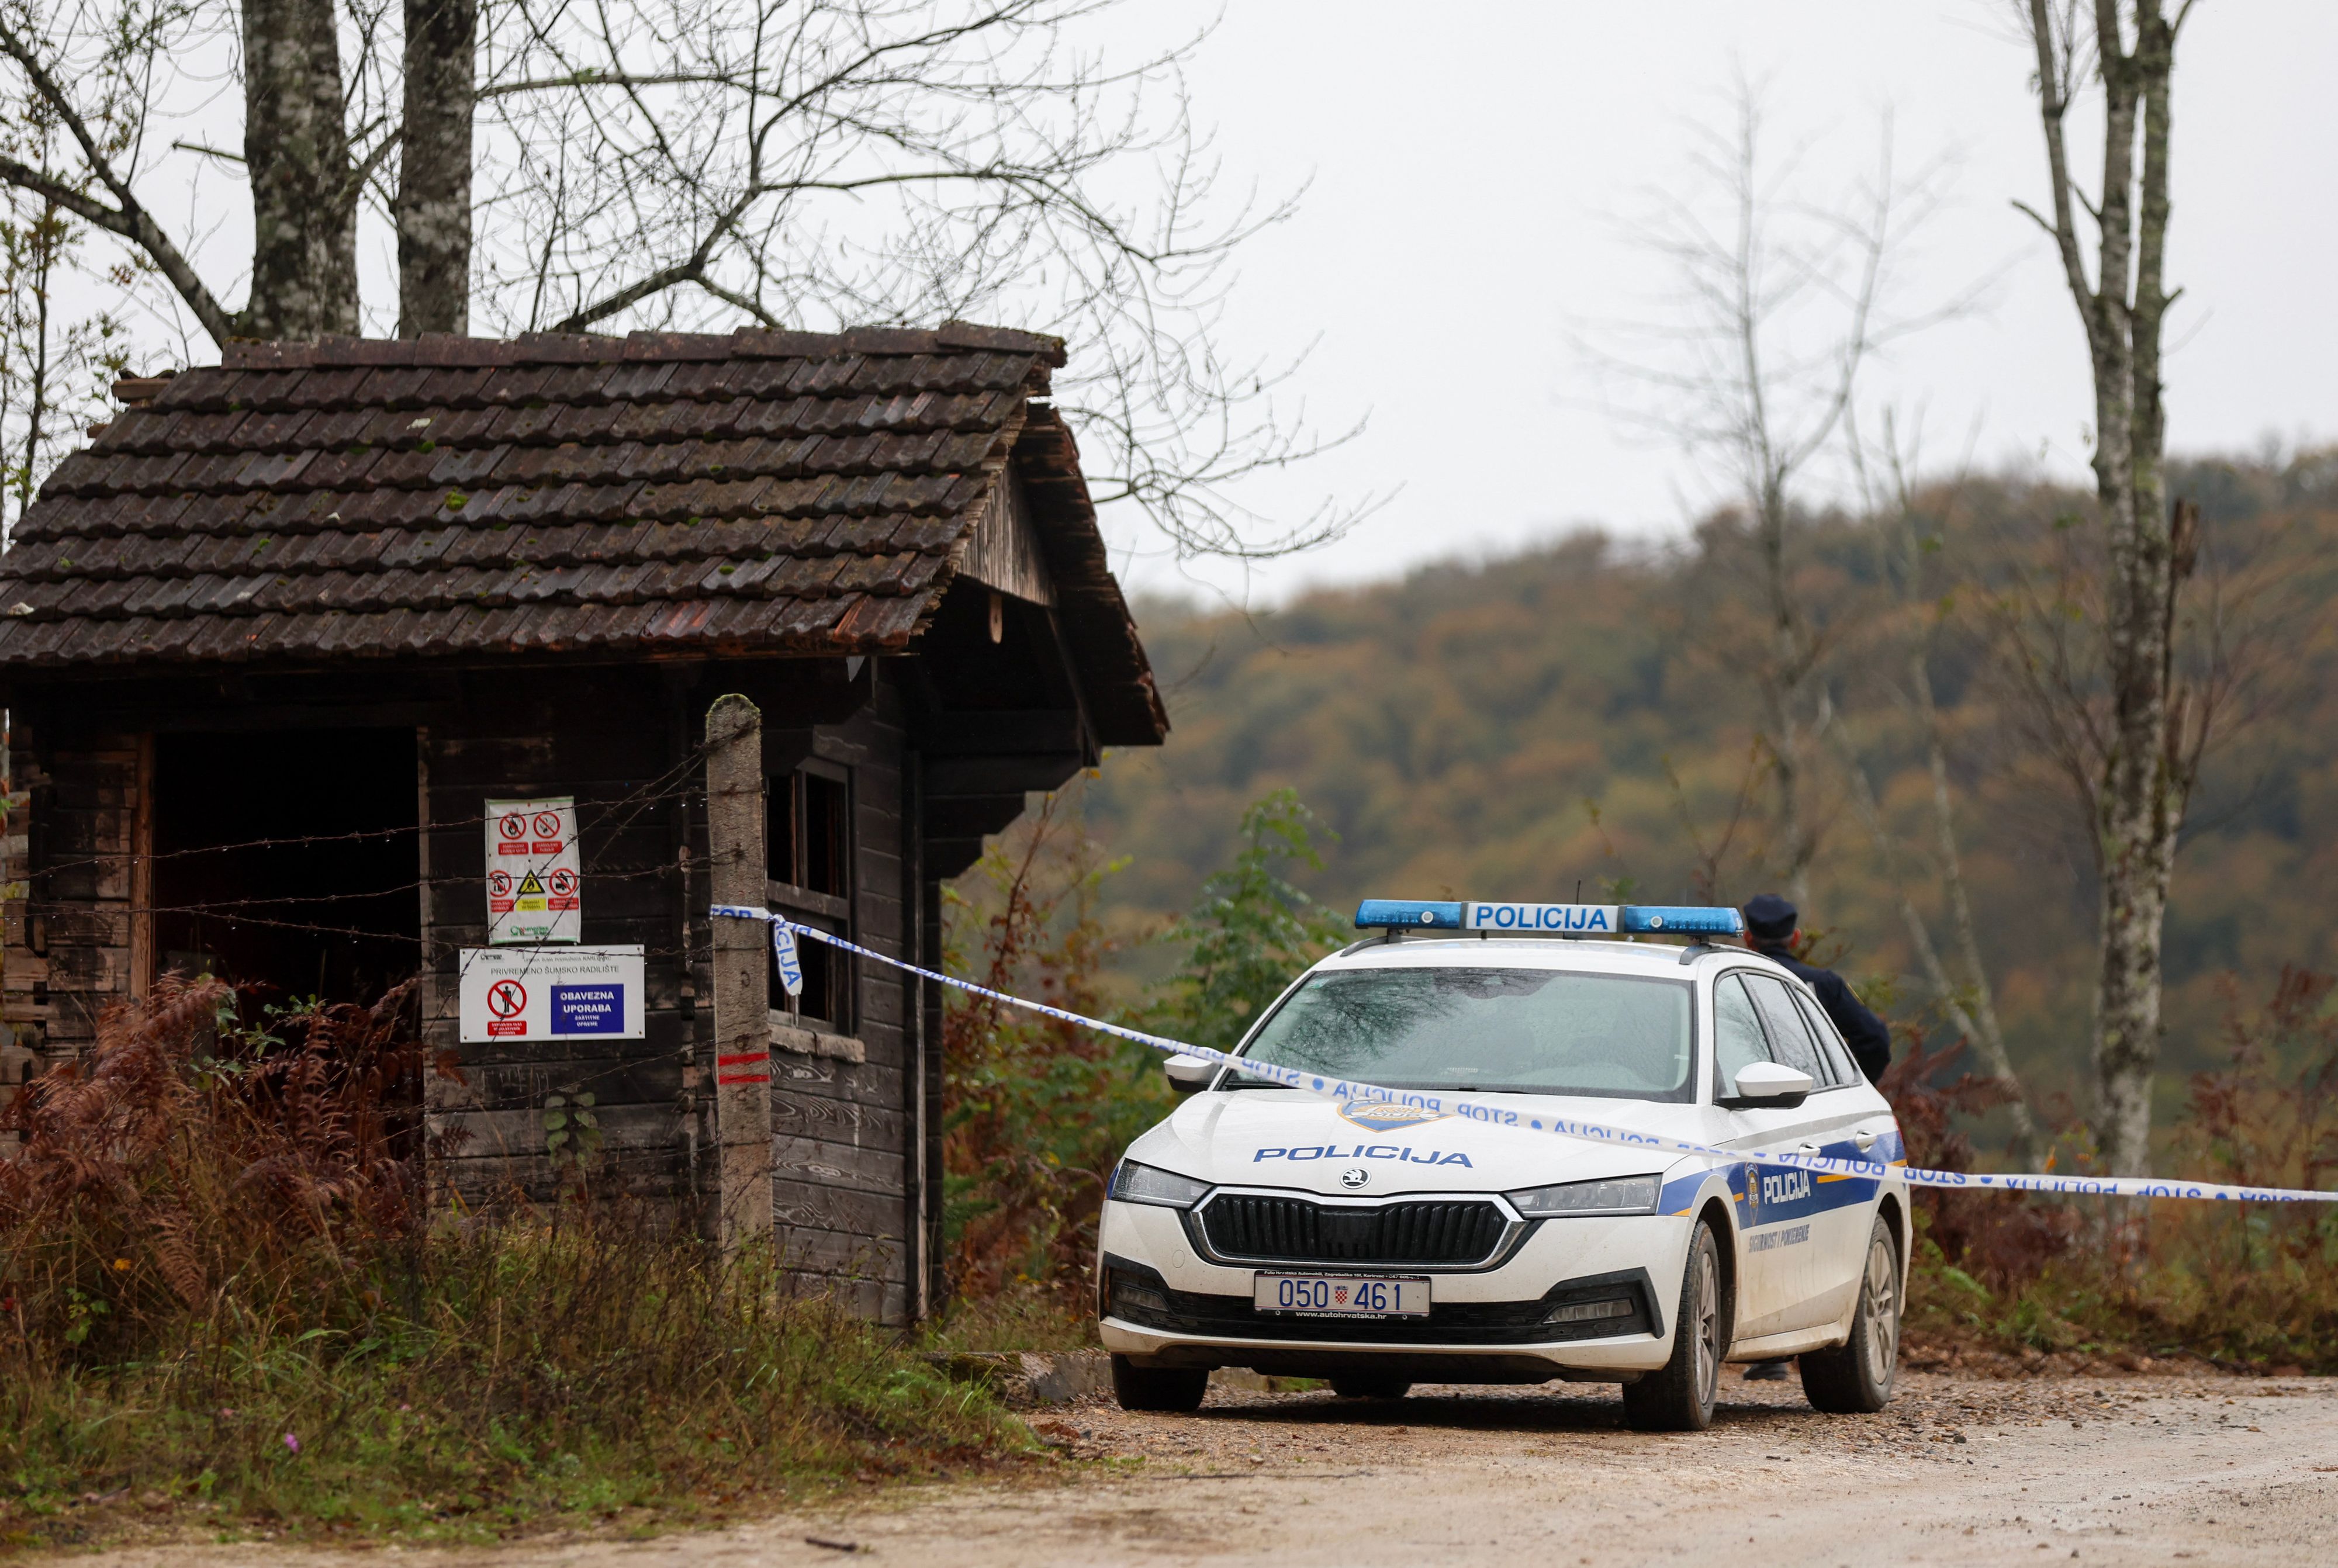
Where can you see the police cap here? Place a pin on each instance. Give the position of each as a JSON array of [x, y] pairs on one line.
[[1771, 916]]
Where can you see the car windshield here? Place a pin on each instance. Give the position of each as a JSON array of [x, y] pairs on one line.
[[1524, 1031]]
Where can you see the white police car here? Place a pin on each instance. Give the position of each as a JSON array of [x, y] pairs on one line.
[[1451, 1236]]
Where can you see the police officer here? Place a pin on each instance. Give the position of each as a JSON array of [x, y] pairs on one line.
[[1769, 924]]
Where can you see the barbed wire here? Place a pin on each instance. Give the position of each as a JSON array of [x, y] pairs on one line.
[[649, 792], [660, 868], [607, 819], [443, 944]]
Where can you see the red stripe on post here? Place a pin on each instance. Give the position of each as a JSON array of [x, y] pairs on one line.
[[742, 1078], [741, 1058]]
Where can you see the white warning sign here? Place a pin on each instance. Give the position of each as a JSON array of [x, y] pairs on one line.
[[535, 880], [522, 994]]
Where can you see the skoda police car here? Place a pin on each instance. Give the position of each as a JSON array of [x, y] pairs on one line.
[[1448, 1235]]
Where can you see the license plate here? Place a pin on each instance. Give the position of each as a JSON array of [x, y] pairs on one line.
[[1340, 1296]]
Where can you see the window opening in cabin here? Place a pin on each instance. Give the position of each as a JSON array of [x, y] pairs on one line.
[[808, 835], [288, 860]]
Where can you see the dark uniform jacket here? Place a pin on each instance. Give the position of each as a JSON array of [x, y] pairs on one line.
[[1862, 1031]]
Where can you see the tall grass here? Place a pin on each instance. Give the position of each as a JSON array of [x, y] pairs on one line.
[[218, 1289]]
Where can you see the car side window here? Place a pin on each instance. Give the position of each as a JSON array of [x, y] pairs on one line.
[[1790, 1037], [1831, 1045], [1737, 1039]]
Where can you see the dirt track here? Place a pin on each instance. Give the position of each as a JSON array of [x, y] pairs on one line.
[[2144, 1470]]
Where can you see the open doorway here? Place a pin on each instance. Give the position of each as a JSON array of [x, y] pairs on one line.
[[288, 860]]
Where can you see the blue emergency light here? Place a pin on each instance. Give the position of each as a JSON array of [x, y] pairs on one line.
[[1549, 919]]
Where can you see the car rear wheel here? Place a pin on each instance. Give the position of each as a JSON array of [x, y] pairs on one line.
[[1679, 1398], [1371, 1385], [1857, 1376], [1158, 1388]]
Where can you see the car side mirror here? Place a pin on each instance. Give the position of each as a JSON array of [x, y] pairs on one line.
[[1770, 1084], [1188, 1073]]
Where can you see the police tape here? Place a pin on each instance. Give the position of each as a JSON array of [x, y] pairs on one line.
[[784, 931]]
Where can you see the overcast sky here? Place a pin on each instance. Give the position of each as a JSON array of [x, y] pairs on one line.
[[1475, 166]]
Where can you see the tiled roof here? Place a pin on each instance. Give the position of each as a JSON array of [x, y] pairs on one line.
[[452, 497]]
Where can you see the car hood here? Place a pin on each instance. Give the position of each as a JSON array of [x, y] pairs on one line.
[[1292, 1139]]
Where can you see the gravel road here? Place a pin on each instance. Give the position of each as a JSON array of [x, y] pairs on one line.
[[1971, 1471]]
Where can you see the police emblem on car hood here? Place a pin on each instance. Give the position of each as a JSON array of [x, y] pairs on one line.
[[1383, 1117]]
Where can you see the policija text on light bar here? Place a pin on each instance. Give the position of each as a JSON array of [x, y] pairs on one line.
[[1552, 919]]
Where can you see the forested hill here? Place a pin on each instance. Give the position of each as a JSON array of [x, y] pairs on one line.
[[1584, 716]]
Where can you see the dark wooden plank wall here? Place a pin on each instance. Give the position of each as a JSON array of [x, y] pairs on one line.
[[64, 967], [844, 1134], [608, 741], [846, 1143], [854, 1146]]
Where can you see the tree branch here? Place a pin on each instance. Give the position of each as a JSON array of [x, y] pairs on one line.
[[2052, 105], [738, 301], [129, 219], [693, 270]]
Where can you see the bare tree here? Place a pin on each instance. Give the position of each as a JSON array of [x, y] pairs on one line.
[[700, 164], [1779, 306], [53, 366], [1918, 616], [2133, 759]]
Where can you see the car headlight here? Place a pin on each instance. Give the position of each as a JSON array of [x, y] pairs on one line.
[[1613, 1195], [1135, 1183]]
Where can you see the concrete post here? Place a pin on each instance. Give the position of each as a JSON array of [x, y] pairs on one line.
[[742, 1028]]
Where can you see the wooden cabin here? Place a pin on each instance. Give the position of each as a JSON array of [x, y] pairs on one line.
[[274, 640]]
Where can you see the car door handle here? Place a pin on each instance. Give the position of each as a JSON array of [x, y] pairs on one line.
[[1865, 1141], [1807, 1148]]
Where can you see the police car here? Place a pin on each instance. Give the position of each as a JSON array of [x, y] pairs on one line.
[[1449, 1235]]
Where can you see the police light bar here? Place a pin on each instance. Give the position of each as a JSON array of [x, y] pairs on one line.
[[1557, 919]]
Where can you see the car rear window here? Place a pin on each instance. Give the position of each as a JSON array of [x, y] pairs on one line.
[[1524, 1031]]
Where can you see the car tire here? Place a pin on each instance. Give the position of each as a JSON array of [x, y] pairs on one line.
[[1679, 1396], [1176, 1388], [1371, 1385], [1856, 1376]]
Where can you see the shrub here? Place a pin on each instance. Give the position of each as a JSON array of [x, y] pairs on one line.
[[1037, 1110], [2252, 1284], [219, 1288]]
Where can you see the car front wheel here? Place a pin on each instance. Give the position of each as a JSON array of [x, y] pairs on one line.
[[1157, 1387], [1856, 1376], [1679, 1398]]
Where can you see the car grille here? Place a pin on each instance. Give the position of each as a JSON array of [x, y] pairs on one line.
[[1138, 1295], [1268, 1229]]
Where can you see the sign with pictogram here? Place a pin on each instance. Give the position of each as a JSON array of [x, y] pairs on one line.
[[522, 994], [507, 1006], [534, 879]]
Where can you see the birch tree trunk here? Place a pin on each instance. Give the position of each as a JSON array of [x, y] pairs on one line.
[[2142, 782], [433, 205], [304, 209]]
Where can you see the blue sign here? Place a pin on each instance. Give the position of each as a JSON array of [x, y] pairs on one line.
[[588, 1009]]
